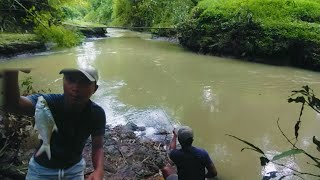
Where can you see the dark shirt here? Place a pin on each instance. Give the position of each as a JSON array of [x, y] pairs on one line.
[[190, 163], [73, 130]]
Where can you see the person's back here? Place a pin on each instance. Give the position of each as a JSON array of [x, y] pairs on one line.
[[191, 161]]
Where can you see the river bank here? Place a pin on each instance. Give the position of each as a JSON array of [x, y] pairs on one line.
[[127, 155], [13, 44]]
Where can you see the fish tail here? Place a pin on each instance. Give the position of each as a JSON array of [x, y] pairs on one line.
[[45, 148]]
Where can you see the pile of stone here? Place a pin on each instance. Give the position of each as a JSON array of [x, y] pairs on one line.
[[128, 156]]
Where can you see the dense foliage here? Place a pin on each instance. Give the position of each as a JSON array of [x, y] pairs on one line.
[[150, 13], [256, 28], [42, 17], [13, 12], [140, 13], [55, 32], [100, 11]]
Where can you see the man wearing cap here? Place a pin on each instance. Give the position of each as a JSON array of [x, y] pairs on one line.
[[191, 161], [76, 117]]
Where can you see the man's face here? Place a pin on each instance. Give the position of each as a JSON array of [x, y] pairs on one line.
[[77, 89]]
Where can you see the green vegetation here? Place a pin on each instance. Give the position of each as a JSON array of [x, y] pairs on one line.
[[146, 13], [42, 18], [256, 28], [9, 38], [56, 32], [100, 11]]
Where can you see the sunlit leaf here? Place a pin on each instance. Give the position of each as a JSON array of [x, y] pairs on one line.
[[287, 153]]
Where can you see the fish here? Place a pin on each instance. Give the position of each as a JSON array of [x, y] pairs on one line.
[[45, 125]]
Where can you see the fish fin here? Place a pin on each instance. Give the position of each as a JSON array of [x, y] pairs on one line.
[[45, 148], [55, 128]]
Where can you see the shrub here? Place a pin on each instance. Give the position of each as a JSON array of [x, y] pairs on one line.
[[54, 32], [255, 28]]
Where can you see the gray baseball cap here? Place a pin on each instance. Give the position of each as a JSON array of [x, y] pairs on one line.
[[90, 73], [184, 133]]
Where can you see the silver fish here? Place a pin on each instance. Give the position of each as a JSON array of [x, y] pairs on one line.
[[45, 125]]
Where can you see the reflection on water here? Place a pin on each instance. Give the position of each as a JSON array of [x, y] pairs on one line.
[[283, 167], [87, 54], [210, 99]]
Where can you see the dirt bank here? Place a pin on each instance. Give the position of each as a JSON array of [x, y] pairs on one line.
[[12, 44]]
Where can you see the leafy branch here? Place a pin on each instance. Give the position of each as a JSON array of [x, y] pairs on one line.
[[305, 97]]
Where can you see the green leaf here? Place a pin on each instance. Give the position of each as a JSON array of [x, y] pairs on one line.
[[287, 153]]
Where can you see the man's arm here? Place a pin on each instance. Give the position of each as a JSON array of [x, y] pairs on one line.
[[13, 102], [97, 158], [173, 143], [212, 171]]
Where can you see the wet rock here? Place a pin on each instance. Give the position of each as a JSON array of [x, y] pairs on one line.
[[127, 156], [162, 132], [132, 126], [112, 150]]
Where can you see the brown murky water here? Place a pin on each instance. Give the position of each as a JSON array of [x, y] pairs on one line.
[[160, 85]]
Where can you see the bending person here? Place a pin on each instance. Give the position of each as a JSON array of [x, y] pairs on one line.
[[192, 162]]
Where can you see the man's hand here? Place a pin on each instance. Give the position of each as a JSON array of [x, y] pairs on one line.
[[13, 102], [25, 70], [96, 175], [174, 132], [173, 143]]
